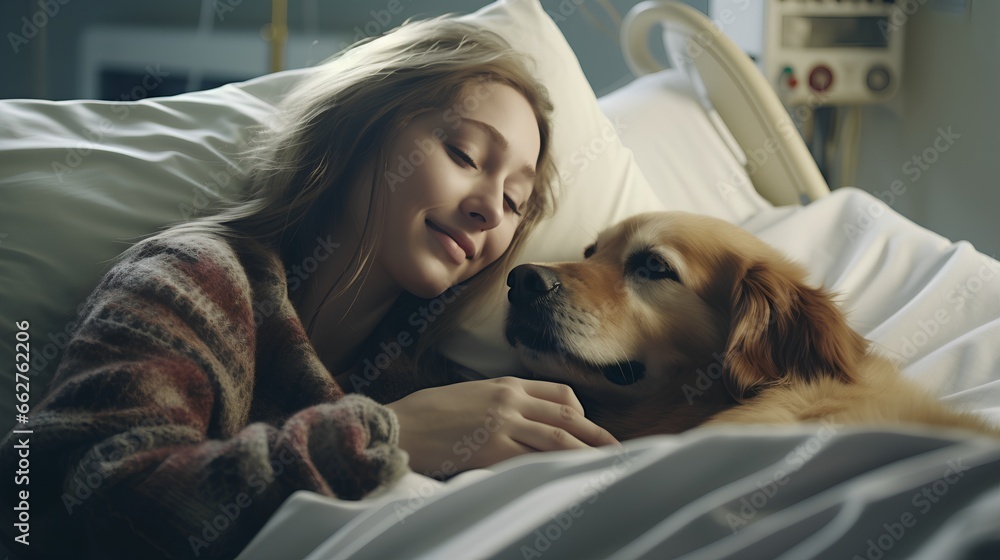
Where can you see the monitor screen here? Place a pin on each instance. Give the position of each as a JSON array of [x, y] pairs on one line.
[[829, 32]]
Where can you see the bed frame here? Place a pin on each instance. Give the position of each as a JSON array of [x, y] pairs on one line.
[[737, 97]]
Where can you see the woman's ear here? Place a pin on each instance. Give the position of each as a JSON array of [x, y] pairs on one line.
[[782, 329]]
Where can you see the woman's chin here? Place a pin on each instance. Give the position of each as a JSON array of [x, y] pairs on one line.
[[430, 278], [429, 286]]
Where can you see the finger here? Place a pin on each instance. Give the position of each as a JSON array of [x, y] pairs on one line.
[[512, 448], [504, 448], [569, 419], [544, 437], [553, 392]]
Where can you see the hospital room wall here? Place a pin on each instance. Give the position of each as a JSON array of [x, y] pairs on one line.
[[47, 64], [932, 153]]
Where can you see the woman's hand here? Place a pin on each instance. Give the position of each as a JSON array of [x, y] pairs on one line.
[[474, 424]]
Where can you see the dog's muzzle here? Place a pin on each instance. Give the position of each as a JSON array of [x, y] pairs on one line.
[[529, 282], [534, 293]]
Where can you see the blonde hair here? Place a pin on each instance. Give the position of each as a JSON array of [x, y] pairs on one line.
[[333, 133]]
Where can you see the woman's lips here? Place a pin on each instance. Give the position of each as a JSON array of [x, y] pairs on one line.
[[456, 253]]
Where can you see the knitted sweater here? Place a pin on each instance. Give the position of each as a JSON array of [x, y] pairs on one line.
[[188, 405]]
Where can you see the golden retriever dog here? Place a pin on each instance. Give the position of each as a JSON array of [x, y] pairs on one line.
[[675, 320]]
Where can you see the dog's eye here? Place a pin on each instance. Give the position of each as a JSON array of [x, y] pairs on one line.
[[589, 250], [650, 265]]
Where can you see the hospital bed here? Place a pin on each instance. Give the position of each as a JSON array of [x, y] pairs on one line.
[[708, 135]]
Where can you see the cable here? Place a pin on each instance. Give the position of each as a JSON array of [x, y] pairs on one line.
[[850, 146], [278, 35]]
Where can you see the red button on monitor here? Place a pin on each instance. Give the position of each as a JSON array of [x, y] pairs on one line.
[[821, 78]]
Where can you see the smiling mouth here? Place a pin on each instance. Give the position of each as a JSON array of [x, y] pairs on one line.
[[450, 244]]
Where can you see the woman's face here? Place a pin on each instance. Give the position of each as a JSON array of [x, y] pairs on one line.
[[457, 181]]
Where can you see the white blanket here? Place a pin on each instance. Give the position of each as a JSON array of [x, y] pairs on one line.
[[741, 492]]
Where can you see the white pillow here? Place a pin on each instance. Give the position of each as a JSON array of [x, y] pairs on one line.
[[81, 179]]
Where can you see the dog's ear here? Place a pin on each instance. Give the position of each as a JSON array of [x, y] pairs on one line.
[[783, 329]]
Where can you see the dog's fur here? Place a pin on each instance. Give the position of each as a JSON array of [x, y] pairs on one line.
[[674, 320]]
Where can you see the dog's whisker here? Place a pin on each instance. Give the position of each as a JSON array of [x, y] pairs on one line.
[[624, 355]]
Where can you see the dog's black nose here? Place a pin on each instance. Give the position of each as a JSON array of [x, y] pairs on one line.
[[528, 282]]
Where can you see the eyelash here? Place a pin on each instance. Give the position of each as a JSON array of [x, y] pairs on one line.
[[471, 162], [463, 156]]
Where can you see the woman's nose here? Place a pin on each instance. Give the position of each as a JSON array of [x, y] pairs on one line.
[[485, 209]]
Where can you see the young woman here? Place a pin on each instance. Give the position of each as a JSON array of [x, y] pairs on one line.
[[207, 381]]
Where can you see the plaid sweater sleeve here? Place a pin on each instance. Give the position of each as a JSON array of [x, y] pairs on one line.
[[189, 404]]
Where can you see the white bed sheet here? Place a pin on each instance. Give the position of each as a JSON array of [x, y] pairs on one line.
[[849, 489]]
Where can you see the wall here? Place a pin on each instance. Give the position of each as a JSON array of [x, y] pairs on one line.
[[46, 63], [951, 83]]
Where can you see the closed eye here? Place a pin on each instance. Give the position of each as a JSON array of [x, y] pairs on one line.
[[650, 265], [461, 155], [458, 153], [511, 204]]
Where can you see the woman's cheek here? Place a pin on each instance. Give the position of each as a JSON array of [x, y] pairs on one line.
[[510, 229], [503, 241]]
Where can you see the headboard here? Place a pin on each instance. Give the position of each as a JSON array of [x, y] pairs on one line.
[[733, 90]]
